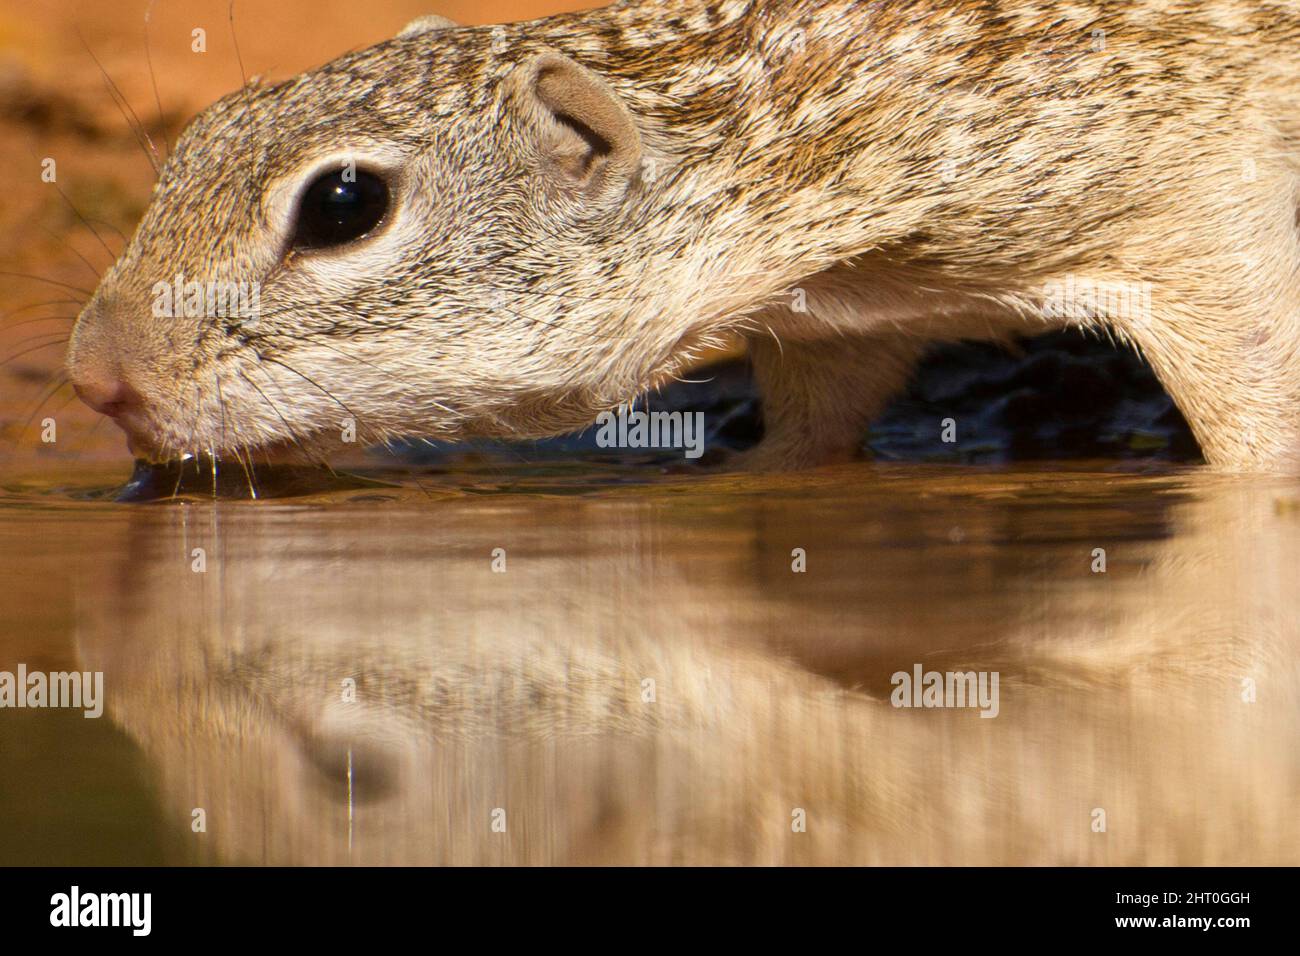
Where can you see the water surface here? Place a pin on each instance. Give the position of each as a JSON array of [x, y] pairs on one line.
[[648, 680]]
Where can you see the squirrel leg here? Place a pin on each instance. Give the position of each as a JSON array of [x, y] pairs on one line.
[[1233, 377], [820, 396]]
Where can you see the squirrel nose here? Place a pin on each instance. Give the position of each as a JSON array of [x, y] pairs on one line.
[[112, 397]]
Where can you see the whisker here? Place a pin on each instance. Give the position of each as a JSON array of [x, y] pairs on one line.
[[141, 134], [86, 222], [75, 251], [38, 305], [293, 435], [248, 473], [221, 403], [384, 445], [176, 488], [85, 439], [34, 348], [35, 278], [47, 392], [234, 37], [61, 334], [54, 414], [243, 79], [153, 79], [357, 358], [116, 231], [271, 378], [321, 389], [180, 471], [44, 318]]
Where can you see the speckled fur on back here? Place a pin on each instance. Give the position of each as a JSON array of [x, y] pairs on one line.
[[840, 182]]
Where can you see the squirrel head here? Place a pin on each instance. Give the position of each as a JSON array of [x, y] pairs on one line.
[[443, 235]]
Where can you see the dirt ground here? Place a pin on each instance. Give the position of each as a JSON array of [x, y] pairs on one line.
[[55, 104]]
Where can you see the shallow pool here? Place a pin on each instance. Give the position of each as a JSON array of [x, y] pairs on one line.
[[588, 663]]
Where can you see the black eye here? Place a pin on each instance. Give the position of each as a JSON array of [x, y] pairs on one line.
[[340, 207]]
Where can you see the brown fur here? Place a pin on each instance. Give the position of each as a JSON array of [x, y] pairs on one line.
[[918, 170]]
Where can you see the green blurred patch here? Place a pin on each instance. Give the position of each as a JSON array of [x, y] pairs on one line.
[[75, 792]]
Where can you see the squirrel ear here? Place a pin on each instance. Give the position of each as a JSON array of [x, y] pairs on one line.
[[585, 136], [426, 24]]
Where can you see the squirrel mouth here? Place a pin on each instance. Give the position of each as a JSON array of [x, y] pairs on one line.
[[201, 476], [138, 442], [145, 445], [276, 454], [135, 445]]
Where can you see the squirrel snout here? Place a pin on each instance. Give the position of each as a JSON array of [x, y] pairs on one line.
[[100, 357], [109, 396]]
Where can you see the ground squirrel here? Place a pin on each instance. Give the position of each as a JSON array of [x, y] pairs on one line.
[[503, 231]]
